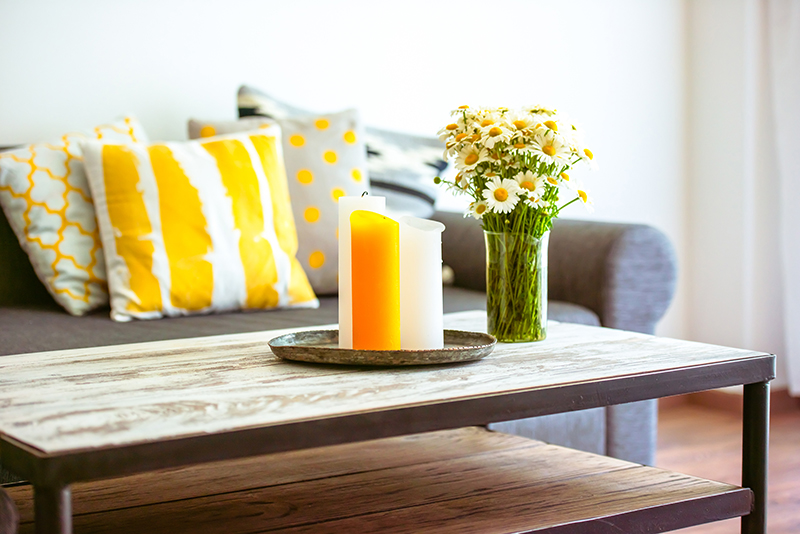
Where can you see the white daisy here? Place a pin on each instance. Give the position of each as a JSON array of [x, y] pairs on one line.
[[501, 195], [521, 122], [551, 148], [477, 209], [534, 202], [584, 196], [530, 184], [469, 157], [486, 121], [498, 133]]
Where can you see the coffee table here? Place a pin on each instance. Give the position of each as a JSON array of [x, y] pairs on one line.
[[77, 415]]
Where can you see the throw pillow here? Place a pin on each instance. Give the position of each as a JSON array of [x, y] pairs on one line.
[[48, 204], [196, 227], [401, 167], [325, 159]]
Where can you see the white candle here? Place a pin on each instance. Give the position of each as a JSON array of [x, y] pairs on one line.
[[421, 308], [348, 205]]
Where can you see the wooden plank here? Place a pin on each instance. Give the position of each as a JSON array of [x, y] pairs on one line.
[[276, 469], [524, 486], [66, 401]]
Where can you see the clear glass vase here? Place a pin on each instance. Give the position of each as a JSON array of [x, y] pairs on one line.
[[516, 286]]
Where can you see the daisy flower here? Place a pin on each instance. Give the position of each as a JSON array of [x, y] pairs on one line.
[[477, 209], [551, 148], [496, 134], [534, 202], [452, 129], [530, 184], [584, 196], [520, 121], [501, 194], [469, 157]]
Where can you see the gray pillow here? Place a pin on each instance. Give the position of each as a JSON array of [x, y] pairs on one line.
[[401, 167]]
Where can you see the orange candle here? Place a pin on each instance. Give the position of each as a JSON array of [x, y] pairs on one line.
[[375, 268]]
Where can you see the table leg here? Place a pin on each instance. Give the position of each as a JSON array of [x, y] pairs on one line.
[[53, 509], [755, 445]]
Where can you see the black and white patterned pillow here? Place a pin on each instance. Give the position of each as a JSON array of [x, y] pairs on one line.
[[401, 166]]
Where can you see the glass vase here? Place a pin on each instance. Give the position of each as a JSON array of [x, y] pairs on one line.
[[516, 286]]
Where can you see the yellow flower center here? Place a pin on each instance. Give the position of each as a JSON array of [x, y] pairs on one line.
[[500, 194], [519, 125], [495, 131], [480, 209], [527, 185], [452, 127], [583, 195], [552, 180], [495, 156], [460, 136], [491, 174], [486, 122], [519, 145], [475, 137], [549, 150], [565, 176], [552, 125], [588, 153], [471, 159], [463, 107]]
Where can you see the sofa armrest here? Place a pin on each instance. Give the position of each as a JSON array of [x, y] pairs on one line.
[[625, 273]]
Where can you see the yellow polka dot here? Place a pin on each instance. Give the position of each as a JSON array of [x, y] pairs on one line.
[[350, 137], [316, 259], [297, 140], [336, 193], [330, 156], [322, 124], [356, 173], [337, 232], [264, 126], [208, 131], [304, 176], [311, 214]]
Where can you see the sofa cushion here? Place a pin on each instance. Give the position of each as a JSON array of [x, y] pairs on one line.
[[325, 159], [42, 328], [196, 227], [401, 166], [46, 200]]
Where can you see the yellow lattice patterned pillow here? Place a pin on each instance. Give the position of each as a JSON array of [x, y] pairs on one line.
[[46, 199], [197, 227]]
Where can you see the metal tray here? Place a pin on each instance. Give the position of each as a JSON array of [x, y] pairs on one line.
[[322, 346]]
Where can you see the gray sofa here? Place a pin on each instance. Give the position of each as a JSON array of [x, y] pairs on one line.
[[615, 275]]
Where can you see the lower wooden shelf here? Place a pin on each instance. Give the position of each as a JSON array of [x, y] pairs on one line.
[[460, 481]]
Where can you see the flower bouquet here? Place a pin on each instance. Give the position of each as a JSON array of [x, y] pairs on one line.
[[514, 164]]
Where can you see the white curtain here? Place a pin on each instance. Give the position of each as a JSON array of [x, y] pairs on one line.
[[783, 25]]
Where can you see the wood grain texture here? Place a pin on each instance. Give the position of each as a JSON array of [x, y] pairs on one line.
[[465, 481], [74, 400]]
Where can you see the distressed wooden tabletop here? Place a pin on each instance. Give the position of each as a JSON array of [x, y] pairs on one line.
[[82, 399]]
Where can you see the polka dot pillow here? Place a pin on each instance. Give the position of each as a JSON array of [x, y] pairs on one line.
[[325, 159], [46, 199]]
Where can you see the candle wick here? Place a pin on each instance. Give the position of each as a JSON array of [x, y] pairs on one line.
[[365, 193]]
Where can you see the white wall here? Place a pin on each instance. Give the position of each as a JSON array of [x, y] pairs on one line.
[[733, 261], [616, 67]]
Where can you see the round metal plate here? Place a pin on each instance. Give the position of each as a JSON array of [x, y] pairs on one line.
[[322, 346]]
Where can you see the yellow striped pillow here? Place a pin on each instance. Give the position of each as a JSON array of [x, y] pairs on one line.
[[196, 227]]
